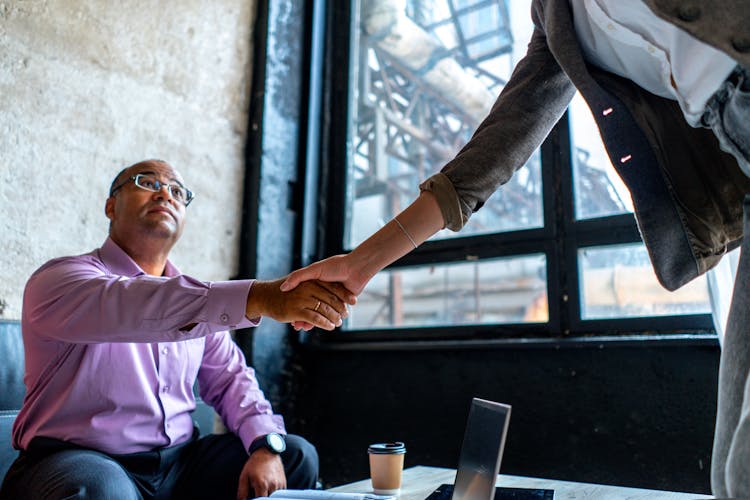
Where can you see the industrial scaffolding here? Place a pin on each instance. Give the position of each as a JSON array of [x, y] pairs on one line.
[[428, 73]]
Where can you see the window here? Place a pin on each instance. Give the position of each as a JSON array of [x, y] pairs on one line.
[[554, 252], [617, 281], [480, 292], [424, 74]]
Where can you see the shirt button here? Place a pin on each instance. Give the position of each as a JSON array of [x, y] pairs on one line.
[[165, 388], [224, 318], [741, 44], [689, 12], [165, 351]]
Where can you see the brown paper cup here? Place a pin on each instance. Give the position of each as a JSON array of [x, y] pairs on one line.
[[386, 465]]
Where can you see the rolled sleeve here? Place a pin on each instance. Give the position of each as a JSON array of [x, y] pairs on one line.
[[447, 197]]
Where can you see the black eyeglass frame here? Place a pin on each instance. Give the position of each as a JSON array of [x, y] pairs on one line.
[[189, 196]]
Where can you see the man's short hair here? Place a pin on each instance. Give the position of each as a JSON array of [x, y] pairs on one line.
[[114, 181], [119, 174]]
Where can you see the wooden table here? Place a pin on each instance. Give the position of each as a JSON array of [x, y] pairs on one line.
[[418, 482]]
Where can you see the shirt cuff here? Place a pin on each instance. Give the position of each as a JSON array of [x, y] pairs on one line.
[[260, 425], [227, 302], [447, 198]]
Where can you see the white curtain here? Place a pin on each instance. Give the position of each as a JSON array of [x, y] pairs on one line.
[[720, 287]]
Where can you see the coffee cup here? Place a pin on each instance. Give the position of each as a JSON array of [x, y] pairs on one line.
[[386, 465]]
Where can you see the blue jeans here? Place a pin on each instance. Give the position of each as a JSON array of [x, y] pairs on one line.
[[728, 115], [730, 460]]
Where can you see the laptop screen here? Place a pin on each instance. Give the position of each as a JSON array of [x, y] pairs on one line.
[[482, 450]]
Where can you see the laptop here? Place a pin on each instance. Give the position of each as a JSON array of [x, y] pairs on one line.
[[481, 454]]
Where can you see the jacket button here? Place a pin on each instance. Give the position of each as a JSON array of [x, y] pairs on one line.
[[224, 318], [689, 13], [741, 44]]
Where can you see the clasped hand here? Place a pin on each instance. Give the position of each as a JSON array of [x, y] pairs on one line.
[[316, 303], [339, 269]]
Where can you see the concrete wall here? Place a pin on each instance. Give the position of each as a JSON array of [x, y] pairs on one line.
[[89, 87]]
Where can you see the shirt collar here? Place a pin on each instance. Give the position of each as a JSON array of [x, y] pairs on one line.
[[120, 263]]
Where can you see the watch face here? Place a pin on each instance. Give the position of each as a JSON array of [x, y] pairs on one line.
[[276, 442]]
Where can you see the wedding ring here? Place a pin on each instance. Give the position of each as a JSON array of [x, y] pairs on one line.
[[317, 306]]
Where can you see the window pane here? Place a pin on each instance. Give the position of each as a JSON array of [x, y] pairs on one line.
[[618, 282], [424, 74], [599, 191], [498, 291]]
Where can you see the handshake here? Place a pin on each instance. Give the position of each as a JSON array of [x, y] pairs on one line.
[[315, 296], [318, 295]]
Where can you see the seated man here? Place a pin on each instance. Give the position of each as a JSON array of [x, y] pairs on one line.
[[115, 340]]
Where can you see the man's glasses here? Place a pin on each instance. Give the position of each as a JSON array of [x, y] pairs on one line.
[[151, 183]]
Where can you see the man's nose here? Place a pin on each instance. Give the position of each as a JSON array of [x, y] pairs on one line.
[[164, 192]]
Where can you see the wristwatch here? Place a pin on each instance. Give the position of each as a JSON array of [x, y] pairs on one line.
[[272, 441]]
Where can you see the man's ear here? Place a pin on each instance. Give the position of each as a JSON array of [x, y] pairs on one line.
[[109, 208]]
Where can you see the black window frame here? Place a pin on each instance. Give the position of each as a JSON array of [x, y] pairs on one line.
[[559, 239]]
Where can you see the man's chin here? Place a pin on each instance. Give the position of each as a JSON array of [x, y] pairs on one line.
[[163, 229]]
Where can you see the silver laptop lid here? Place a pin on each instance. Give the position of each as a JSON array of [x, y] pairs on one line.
[[482, 450]]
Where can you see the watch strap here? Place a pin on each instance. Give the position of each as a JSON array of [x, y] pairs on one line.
[[262, 442]]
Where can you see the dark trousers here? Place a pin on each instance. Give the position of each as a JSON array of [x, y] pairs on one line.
[[203, 468]]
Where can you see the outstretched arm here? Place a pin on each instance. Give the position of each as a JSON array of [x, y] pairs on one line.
[[530, 104], [420, 220], [314, 302]]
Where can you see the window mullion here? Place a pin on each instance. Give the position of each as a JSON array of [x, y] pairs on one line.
[[558, 185]]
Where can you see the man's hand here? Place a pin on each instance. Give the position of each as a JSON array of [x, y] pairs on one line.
[[262, 474], [316, 303], [338, 268]]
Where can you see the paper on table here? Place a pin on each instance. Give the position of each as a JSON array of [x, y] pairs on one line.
[[324, 495]]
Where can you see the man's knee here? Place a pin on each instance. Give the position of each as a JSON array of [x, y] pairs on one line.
[[75, 474], [300, 462]]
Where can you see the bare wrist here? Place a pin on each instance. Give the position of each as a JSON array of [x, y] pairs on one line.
[[257, 299], [361, 267]]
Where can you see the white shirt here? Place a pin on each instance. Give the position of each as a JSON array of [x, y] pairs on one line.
[[624, 37]]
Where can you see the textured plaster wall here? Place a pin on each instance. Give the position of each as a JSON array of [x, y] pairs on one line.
[[89, 87]]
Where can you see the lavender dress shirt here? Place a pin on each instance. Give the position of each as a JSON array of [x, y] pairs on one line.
[[110, 365]]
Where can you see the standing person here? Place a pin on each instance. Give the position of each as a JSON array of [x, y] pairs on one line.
[[114, 342], [669, 86]]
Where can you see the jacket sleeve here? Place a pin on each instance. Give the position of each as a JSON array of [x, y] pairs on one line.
[[529, 105]]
